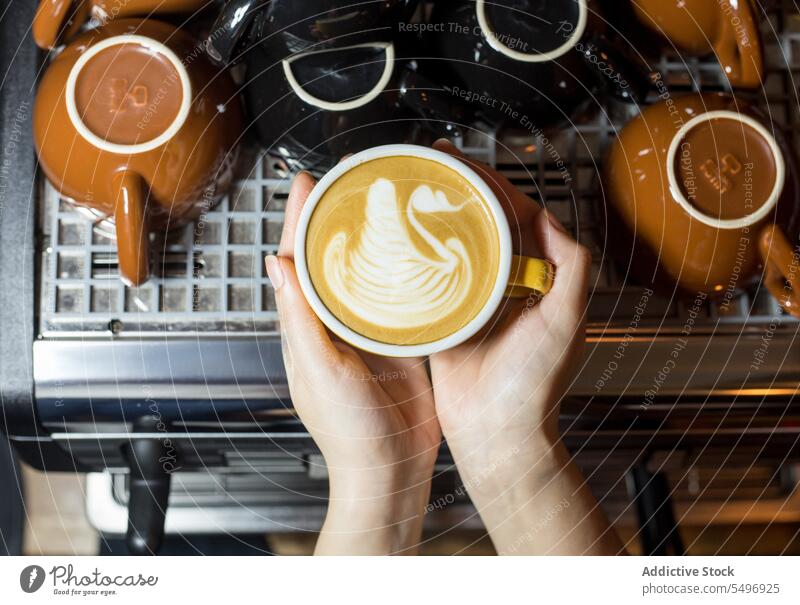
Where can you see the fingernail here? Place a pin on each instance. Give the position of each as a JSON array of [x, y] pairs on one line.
[[274, 271], [444, 141], [551, 218]]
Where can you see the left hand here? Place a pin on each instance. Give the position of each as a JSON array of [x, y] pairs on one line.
[[373, 418]]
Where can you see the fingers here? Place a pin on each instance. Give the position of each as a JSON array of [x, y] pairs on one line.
[[572, 265], [499, 184], [301, 187], [446, 146], [306, 339], [518, 207]]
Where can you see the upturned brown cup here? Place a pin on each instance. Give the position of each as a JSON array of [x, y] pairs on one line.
[[710, 196], [57, 21], [133, 121], [726, 28]]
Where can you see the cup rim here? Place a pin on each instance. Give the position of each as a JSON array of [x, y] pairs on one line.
[[395, 350], [496, 44], [691, 209], [119, 148], [380, 85]]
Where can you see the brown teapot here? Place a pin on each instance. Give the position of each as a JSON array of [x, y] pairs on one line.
[[709, 195]]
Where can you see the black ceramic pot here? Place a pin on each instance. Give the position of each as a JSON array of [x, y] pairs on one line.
[[529, 63], [292, 26], [314, 107], [315, 92]]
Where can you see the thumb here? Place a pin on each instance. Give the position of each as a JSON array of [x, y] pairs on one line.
[[306, 341]]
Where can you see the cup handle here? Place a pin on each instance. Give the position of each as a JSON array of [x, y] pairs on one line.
[[620, 74], [740, 55], [56, 19], [229, 28], [781, 268], [133, 245], [529, 276]]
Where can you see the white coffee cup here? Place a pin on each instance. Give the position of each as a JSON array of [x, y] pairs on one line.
[[535, 275]]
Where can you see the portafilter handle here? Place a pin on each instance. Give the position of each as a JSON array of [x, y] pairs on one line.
[[149, 493]]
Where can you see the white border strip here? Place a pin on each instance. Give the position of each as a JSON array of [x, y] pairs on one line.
[[105, 145], [388, 49], [391, 350], [494, 41], [357, 580], [692, 210]]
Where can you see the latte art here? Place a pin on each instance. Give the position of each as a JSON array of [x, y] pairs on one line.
[[386, 279], [402, 250]]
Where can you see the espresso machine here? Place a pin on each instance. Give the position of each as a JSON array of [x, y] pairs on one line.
[[173, 397]]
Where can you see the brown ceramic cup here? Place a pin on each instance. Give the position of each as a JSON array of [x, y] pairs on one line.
[[710, 196], [726, 28], [57, 21], [132, 121]]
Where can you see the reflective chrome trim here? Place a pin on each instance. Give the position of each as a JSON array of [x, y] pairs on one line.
[[108, 515], [194, 369], [176, 436]]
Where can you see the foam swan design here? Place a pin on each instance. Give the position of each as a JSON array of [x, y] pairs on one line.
[[384, 278]]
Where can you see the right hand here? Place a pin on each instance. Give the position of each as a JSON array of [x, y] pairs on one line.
[[498, 398], [502, 389]]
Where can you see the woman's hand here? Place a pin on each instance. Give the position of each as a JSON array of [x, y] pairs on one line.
[[498, 397], [373, 418]]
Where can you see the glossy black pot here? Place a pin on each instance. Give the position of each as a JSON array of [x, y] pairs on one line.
[[312, 106], [529, 63], [294, 26]]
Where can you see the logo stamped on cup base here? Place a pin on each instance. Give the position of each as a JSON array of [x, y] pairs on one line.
[[123, 96], [717, 173]]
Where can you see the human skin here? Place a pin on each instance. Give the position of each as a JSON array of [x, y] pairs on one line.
[[372, 418], [498, 396]]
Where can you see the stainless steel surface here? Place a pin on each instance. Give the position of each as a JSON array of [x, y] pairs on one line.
[[102, 370], [265, 494], [200, 340], [286, 496], [209, 276], [201, 503], [213, 284], [212, 278], [106, 372]]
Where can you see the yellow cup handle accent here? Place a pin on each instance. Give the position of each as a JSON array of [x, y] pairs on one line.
[[529, 276]]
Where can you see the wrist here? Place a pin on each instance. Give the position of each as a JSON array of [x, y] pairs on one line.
[[538, 503], [375, 513], [496, 468], [502, 451], [369, 488]]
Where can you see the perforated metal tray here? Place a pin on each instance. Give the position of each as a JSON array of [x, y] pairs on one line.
[[210, 276]]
